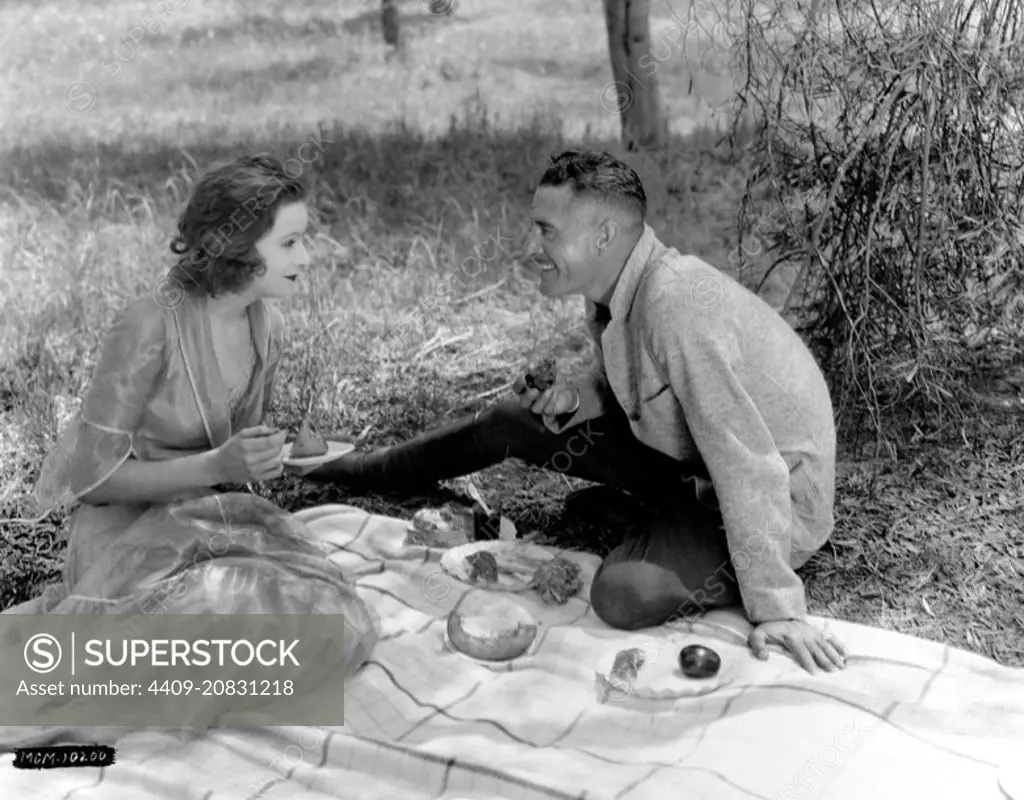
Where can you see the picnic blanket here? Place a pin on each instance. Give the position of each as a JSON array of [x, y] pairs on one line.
[[907, 718]]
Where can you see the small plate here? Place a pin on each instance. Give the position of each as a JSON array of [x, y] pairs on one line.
[[517, 561], [334, 450], [659, 678]]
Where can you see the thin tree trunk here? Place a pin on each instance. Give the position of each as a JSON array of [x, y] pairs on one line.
[[390, 23], [634, 90]]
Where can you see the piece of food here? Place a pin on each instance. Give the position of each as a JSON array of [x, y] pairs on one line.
[[308, 441], [558, 580], [516, 561], [496, 631], [483, 567], [447, 526], [618, 685], [697, 661], [541, 375], [627, 665]]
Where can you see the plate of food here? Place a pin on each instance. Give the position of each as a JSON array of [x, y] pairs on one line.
[[311, 448], [660, 671], [514, 566]]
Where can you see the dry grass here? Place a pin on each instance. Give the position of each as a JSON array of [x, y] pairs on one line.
[[402, 323], [893, 139]]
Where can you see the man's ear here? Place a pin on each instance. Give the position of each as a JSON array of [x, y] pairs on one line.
[[607, 231]]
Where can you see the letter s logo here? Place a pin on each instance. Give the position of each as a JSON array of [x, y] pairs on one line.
[[39, 653]]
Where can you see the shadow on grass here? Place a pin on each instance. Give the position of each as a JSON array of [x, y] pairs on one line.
[[550, 68], [403, 178], [276, 73], [260, 27], [357, 163]]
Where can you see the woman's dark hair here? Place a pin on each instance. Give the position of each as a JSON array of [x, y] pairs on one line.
[[599, 176], [231, 208]]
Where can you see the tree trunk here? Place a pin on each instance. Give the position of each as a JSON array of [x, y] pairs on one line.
[[389, 22], [634, 88]]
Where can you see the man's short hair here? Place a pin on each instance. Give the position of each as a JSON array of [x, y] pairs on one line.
[[599, 176]]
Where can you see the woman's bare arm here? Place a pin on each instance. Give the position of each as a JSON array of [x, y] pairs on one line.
[[253, 454], [137, 482]]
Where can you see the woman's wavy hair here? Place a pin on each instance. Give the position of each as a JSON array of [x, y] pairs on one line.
[[231, 208]]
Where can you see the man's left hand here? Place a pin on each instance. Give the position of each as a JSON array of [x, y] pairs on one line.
[[808, 644]]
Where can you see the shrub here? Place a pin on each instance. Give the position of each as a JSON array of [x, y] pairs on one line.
[[890, 146]]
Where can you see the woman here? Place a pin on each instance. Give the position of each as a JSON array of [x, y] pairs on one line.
[[174, 411]]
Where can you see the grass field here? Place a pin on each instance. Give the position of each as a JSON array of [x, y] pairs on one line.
[[421, 160]]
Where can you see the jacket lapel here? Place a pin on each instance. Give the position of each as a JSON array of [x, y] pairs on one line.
[[622, 340]]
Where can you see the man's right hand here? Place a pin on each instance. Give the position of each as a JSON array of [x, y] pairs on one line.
[[561, 398], [252, 455]]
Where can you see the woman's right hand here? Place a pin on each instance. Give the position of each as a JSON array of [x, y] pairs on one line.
[[252, 455]]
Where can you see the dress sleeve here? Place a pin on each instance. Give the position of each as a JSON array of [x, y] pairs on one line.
[[100, 437]]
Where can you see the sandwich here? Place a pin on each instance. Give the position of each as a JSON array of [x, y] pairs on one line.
[[541, 376], [309, 443]]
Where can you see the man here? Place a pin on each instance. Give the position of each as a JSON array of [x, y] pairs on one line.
[[703, 403]]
